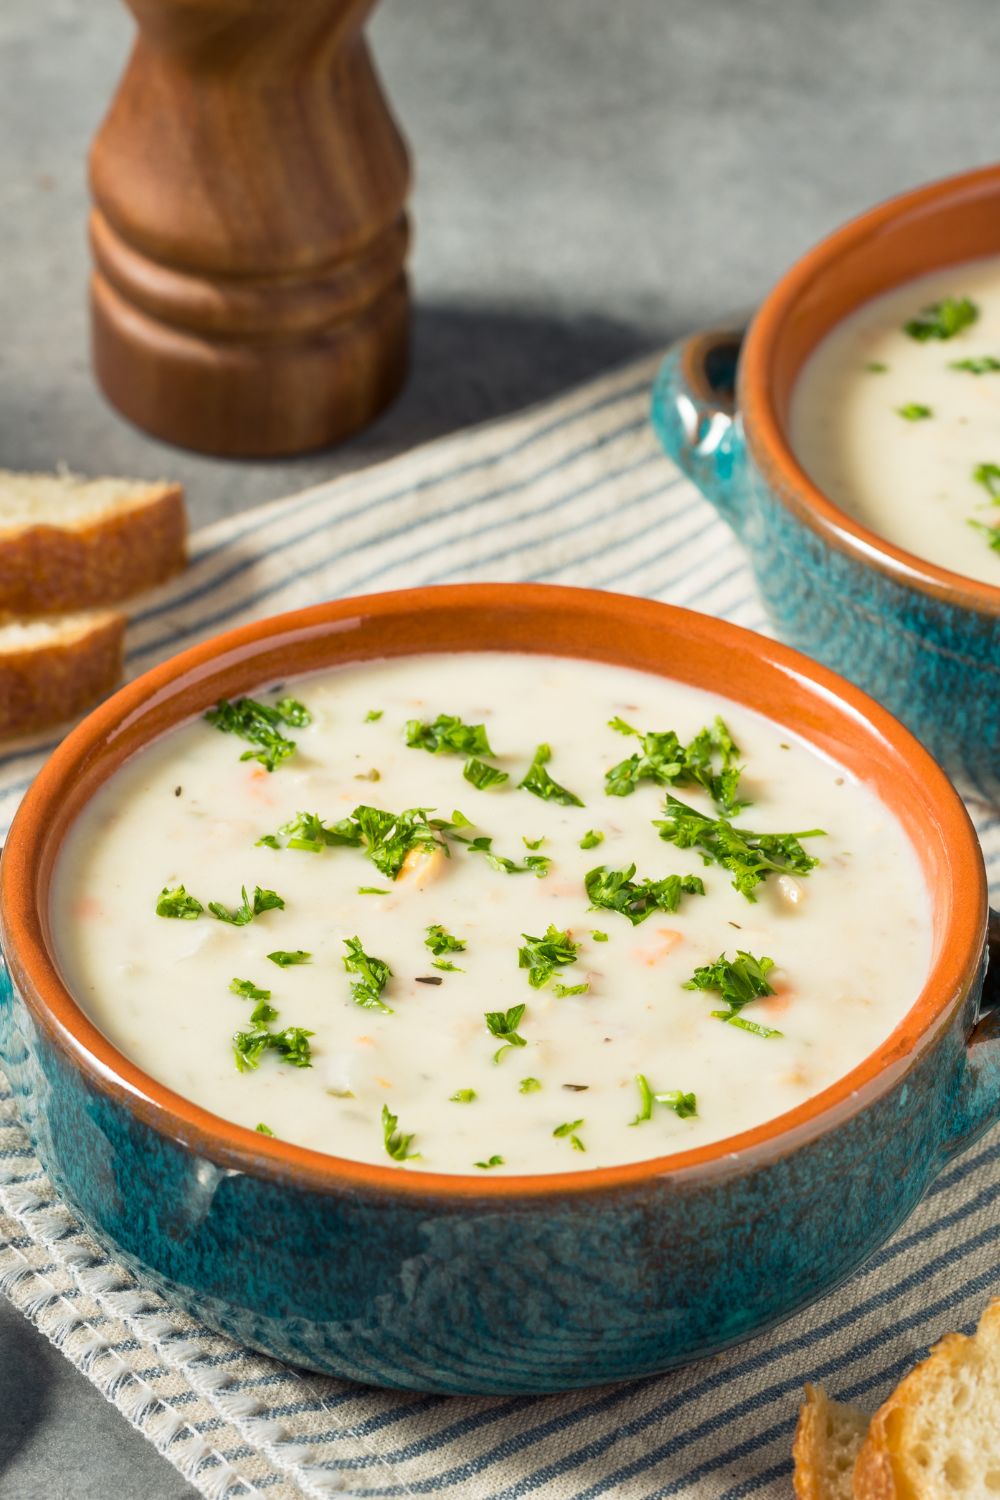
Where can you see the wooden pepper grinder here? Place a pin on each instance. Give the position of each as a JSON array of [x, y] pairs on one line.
[[249, 294]]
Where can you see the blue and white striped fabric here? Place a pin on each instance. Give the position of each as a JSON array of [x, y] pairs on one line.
[[579, 493]]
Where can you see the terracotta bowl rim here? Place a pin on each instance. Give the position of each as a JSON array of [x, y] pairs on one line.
[[37, 980], [764, 432]]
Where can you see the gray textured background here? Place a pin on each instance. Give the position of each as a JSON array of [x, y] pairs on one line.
[[592, 180]]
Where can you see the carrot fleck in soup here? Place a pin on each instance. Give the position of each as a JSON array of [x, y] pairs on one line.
[[490, 913], [896, 417]]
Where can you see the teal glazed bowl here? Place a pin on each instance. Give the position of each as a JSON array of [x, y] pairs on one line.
[[922, 640], [452, 1283]]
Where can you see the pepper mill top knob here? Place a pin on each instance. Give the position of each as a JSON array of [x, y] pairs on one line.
[[249, 235]]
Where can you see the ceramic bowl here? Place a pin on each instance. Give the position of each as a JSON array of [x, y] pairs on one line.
[[924, 641], [407, 1278]]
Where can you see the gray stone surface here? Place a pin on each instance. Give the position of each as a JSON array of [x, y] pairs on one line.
[[591, 180]]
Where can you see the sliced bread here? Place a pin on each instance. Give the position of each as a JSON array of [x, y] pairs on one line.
[[938, 1435], [827, 1441], [69, 544], [51, 670]]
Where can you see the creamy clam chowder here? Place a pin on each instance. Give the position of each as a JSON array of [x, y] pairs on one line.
[[896, 417], [490, 913]]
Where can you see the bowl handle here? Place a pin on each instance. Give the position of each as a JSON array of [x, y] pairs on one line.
[[978, 1104], [694, 416]]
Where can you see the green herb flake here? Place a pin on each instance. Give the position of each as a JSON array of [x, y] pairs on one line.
[[373, 890], [396, 1143], [749, 857], [569, 1129], [591, 839], [876, 367], [373, 975], [541, 956], [258, 723], [529, 1086], [462, 1096], [532, 843], [263, 1010], [708, 761], [992, 533], [598, 936], [446, 965], [534, 864], [913, 411], [615, 890], [942, 320], [503, 1025], [307, 831], [447, 736], [988, 475], [483, 776], [286, 958], [291, 1045], [739, 981], [561, 991], [263, 1129], [538, 781], [683, 1105], [983, 364], [494, 1161], [263, 900], [439, 941], [178, 903], [389, 837], [373, 715]]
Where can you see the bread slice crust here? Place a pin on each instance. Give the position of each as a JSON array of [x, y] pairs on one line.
[[827, 1439], [58, 670], [926, 1441], [130, 545]]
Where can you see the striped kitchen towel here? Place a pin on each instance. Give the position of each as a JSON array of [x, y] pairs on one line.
[[576, 492]]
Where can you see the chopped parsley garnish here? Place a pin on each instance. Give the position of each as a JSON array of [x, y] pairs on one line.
[[992, 533], [914, 411], [462, 1096], [483, 776], [373, 715], [503, 1025], [683, 1105], [291, 1045], [178, 903], [285, 958], [371, 775], [876, 367], [739, 981], [982, 364], [569, 1129], [541, 956], [598, 936], [396, 1143], [749, 857], [942, 320], [666, 761], [532, 843], [534, 864], [439, 941], [494, 1161], [447, 736], [309, 832], [258, 723], [372, 890], [529, 1086], [263, 1129], [447, 966], [988, 475], [615, 890], [263, 900], [591, 839], [373, 975], [389, 837], [562, 990], [538, 781], [263, 1010]]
